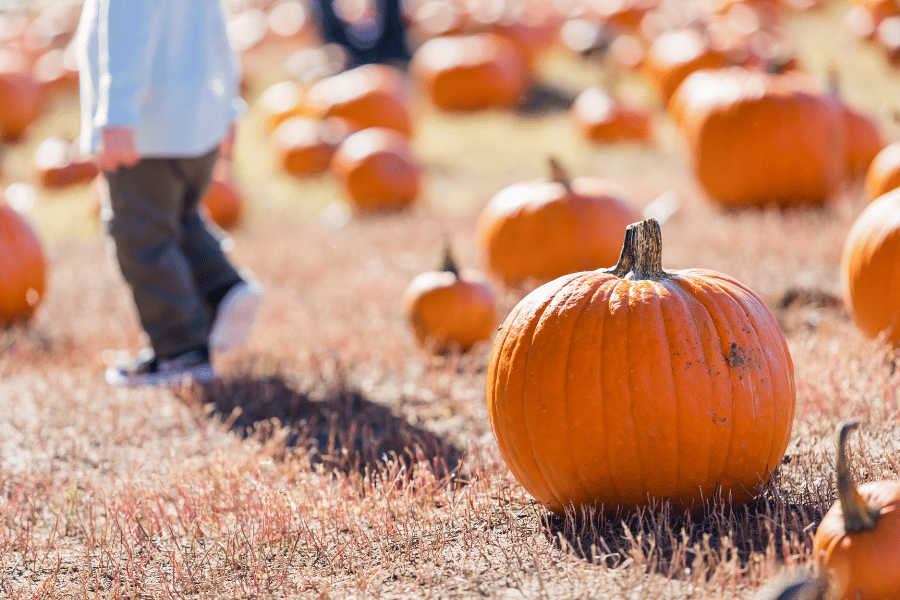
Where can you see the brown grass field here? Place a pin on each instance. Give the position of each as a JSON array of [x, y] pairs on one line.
[[336, 458]]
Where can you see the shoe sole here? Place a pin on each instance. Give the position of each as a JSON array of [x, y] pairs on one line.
[[235, 318], [203, 374]]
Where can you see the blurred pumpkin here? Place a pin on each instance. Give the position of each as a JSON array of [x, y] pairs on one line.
[[870, 269], [863, 141], [367, 96], [23, 268], [305, 146], [858, 541], [223, 201], [282, 101], [617, 388], [58, 165], [449, 310], [471, 73], [884, 171], [21, 102], [674, 55], [602, 119], [757, 139], [377, 170], [546, 228]]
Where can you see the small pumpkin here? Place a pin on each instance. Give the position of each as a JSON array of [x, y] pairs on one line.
[[22, 100], [367, 96], [471, 73], [223, 201], [377, 170], [858, 540], [57, 164], [602, 120], [674, 55], [758, 139], [621, 387], [546, 228], [23, 268], [870, 271], [884, 171], [305, 146], [282, 101], [449, 310]]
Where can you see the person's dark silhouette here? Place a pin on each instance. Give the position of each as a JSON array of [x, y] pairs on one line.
[[381, 41]]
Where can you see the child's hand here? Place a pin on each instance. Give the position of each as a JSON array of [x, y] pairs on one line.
[[117, 149]]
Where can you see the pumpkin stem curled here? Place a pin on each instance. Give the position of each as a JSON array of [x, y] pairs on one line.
[[448, 263], [858, 514], [641, 256], [558, 173]]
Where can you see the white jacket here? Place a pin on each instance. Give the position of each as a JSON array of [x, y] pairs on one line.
[[163, 68]]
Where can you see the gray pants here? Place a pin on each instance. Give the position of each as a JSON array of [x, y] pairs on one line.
[[167, 255]]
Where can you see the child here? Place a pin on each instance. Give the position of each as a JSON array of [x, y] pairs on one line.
[[159, 95], [383, 41]]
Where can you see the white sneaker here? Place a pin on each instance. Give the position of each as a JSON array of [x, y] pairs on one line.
[[145, 370], [234, 317]]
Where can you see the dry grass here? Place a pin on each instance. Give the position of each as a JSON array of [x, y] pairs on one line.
[[337, 459]]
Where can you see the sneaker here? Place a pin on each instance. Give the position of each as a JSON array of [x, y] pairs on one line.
[[146, 370], [234, 317]]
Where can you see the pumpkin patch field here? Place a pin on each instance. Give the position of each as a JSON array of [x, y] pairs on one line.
[[582, 302]]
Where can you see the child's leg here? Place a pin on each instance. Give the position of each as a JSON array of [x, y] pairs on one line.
[[147, 203], [213, 274]]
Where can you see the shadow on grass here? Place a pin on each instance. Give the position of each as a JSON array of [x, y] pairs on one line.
[[544, 98], [671, 543], [340, 428]]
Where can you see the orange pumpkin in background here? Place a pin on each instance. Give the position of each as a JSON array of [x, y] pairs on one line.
[[223, 201], [618, 388], [884, 171], [471, 73], [448, 309], [547, 228], [870, 269], [863, 141], [305, 146], [858, 541], [759, 139], [58, 165], [23, 268], [282, 101], [377, 170], [367, 96], [674, 55], [21, 102], [602, 119]]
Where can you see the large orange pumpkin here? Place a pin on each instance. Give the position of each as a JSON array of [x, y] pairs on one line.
[[23, 268], [870, 269], [757, 139], [546, 228], [367, 96], [471, 73], [621, 387], [884, 171], [450, 310], [378, 170], [858, 540], [863, 141]]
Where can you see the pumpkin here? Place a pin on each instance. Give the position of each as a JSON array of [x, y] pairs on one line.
[[23, 268], [858, 540], [223, 201], [57, 164], [757, 139], [674, 55], [377, 170], [471, 73], [870, 271], [602, 120], [282, 101], [448, 310], [21, 102], [863, 141], [546, 228], [884, 171], [619, 388], [367, 96], [305, 146]]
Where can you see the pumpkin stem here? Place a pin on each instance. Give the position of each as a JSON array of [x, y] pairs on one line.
[[858, 514], [448, 263], [558, 174], [641, 256]]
